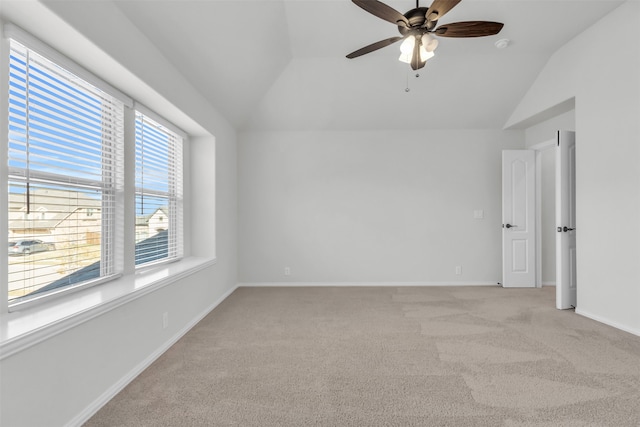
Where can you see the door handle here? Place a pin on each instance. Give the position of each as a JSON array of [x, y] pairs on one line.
[[565, 229], [509, 226]]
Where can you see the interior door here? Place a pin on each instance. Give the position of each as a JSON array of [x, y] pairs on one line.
[[518, 219], [566, 284]]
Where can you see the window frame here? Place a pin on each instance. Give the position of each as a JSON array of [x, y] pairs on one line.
[[74, 124], [124, 253], [174, 193]]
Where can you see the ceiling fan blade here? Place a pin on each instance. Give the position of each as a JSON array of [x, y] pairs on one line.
[[383, 11], [438, 8], [374, 46], [469, 29]]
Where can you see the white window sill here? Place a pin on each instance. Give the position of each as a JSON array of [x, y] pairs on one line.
[[22, 329]]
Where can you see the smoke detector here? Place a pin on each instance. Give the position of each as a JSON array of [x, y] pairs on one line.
[[502, 43]]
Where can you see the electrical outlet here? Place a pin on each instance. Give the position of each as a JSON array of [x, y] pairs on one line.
[[458, 269], [165, 320], [287, 271]]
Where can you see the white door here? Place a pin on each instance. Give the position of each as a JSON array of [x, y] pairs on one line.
[[566, 220], [518, 219]]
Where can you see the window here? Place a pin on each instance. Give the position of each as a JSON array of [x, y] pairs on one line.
[[158, 192], [65, 141], [64, 150], [68, 191]]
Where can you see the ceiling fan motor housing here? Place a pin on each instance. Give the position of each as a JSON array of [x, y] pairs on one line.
[[416, 18]]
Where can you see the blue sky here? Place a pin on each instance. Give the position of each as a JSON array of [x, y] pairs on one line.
[[64, 136]]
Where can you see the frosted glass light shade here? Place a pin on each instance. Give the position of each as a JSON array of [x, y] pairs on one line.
[[429, 42], [406, 51], [405, 57], [424, 55], [407, 46]]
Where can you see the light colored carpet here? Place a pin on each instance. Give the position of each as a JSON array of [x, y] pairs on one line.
[[436, 356]]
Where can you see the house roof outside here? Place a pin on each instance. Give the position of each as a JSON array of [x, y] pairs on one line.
[[143, 220], [56, 205]]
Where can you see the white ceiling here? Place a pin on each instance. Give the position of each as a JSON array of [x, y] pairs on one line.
[[280, 64]]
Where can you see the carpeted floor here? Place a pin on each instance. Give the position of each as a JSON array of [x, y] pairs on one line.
[[369, 356]]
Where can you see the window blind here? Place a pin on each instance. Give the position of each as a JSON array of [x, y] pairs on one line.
[[158, 192], [65, 151], [17, 34]]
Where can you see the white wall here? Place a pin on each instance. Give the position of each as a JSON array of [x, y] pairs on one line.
[[60, 380], [606, 87], [55, 382], [371, 206], [543, 132]]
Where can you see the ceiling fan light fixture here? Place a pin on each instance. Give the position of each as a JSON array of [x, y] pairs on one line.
[[405, 57], [424, 55], [429, 42], [418, 25], [407, 46], [406, 49]]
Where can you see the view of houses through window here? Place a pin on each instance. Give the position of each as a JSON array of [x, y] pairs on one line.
[[60, 236]]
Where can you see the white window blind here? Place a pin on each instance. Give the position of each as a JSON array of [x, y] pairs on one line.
[[65, 151], [158, 192]]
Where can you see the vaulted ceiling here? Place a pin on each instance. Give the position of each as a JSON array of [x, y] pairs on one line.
[[280, 64]]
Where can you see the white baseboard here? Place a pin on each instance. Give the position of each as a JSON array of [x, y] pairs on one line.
[[110, 393], [609, 322], [360, 284], [548, 283]]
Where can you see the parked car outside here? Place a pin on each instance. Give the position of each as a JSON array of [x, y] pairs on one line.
[[30, 246]]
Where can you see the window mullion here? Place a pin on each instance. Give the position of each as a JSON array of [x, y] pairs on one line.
[[124, 243]]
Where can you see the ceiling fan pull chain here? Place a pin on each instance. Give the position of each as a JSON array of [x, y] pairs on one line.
[[407, 88]]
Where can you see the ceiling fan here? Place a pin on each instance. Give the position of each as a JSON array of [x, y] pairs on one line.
[[417, 27]]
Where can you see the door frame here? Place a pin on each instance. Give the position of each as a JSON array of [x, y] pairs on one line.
[[539, 148]]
